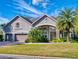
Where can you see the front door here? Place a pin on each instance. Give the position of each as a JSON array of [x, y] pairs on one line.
[[45, 33], [52, 35]]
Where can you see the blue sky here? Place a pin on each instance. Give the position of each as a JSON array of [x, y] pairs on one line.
[[34, 8]]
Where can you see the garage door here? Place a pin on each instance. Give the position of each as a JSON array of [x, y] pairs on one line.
[[9, 37], [21, 37]]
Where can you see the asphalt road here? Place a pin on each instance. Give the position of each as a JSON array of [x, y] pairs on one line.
[[9, 56]]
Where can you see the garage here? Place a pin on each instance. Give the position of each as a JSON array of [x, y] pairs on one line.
[[9, 37], [21, 37]]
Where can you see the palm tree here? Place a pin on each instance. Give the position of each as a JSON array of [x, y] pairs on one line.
[[65, 22], [76, 22]]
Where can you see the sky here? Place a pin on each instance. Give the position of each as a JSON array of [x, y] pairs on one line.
[[34, 8]]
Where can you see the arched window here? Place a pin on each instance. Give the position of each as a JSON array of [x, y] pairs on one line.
[[17, 25]]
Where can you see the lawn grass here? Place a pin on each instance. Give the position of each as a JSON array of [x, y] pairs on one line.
[[68, 50]]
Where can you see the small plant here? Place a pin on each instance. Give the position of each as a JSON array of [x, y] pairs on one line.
[[58, 40], [74, 41]]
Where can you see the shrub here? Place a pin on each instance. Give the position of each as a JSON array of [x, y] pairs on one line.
[[1, 37], [30, 40], [57, 40], [43, 39], [74, 41], [36, 35]]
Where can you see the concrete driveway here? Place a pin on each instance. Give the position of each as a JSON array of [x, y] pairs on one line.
[[10, 56], [8, 43]]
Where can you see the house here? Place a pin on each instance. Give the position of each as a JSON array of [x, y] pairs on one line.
[[19, 27]]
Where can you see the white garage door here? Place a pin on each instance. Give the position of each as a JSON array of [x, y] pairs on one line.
[[21, 38]]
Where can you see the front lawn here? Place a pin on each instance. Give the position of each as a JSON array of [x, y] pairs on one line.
[[68, 50]]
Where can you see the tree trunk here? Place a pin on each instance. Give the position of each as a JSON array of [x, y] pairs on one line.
[[68, 37]]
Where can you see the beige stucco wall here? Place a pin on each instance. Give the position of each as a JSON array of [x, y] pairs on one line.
[[47, 21], [25, 26]]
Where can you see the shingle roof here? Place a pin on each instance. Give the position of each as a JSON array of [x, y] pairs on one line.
[[26, 19], [42, 17], [11, 21], [29, 19]]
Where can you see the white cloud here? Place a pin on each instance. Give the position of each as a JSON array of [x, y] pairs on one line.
[[26, 14], [3, 20], [55, 13], [32, 15], [44, 4], [36, 1], [23, 5]]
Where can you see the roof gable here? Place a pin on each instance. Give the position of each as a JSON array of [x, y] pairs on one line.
[[26, 19], [41, 18], [15, 18]]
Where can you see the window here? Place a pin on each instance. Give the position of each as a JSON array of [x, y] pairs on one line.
[[17, 25]]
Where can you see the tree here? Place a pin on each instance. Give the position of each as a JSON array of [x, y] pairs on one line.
[[76, 22], [65, 21], [1, 33], [1, 28]]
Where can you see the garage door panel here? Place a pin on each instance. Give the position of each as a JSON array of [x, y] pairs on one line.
[[21, 38]]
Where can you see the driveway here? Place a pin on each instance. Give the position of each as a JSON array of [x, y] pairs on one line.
[[10, 56], [8, 43]]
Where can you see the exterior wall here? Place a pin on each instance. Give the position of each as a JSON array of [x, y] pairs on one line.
[[46, 21], [25, 26], [8, 29]]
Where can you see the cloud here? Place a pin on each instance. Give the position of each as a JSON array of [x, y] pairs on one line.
[[34, 15], [36, 1], [24, 13], [3, 20], [55, 13], [23, 5], [44, 4]]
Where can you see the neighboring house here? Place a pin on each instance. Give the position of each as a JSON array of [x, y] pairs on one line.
[[18, 28]]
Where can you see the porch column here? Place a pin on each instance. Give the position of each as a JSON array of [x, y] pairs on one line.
[[48, 33], [13, 37], [57, 34], [4, 36]]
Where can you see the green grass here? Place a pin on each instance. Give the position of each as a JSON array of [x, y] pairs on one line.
[[68, 50]]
